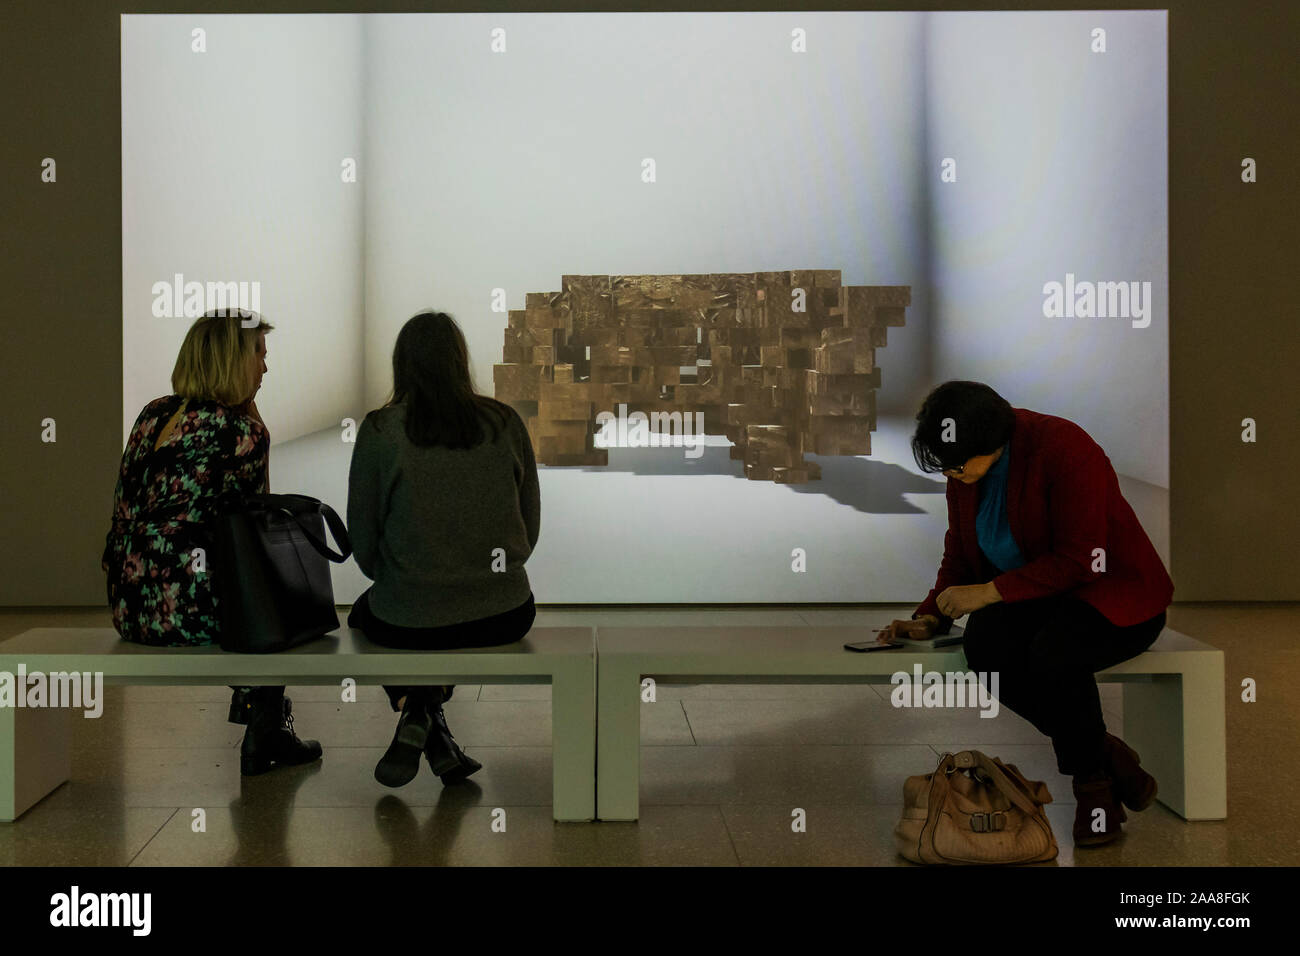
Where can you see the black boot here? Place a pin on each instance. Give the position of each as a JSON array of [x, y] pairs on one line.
[[448, 761], [270, 741], [401, 763]]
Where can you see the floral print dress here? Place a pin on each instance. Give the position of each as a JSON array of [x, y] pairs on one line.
[[165, 498]]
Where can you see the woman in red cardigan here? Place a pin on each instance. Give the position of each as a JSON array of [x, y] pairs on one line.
[[1058, 577]]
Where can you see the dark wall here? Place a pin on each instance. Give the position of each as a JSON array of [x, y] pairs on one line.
[[1234, 342]]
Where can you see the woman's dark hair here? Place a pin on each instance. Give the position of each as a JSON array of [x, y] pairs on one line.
[[431, 378], [984, 421]]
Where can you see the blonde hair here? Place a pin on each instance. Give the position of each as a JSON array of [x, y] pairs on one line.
[[216, 359]]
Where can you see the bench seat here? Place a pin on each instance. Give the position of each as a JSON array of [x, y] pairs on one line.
[[1173, 696], [34, 750]]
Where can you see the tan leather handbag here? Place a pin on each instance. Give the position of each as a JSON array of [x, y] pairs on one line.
[[975, 809]]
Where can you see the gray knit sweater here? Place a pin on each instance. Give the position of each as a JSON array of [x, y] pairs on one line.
[[426, 523]]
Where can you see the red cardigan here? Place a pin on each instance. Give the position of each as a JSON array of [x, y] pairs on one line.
[[1063, 500]]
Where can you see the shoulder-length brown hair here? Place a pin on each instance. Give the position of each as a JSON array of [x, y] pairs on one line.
[[431, 379], [215, 362]]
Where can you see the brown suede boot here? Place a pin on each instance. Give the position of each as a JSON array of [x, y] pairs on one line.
[[1133, 785], [1091, 793]]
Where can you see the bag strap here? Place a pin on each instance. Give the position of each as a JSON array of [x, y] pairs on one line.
[[337, 529], [998, 777], [935, 800]]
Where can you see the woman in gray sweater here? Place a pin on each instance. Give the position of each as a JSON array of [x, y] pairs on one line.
[[444, 508]]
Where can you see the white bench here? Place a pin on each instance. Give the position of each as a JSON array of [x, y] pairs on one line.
[[34, 750], [1173, 697]]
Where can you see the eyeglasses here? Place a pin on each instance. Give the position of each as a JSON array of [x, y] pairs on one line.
[[961, 469]]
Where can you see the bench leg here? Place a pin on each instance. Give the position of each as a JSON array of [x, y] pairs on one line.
[[618, 742], [35, 756], [1176, 723], [573, 743]]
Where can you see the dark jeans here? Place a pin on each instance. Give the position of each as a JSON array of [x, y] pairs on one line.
[[1046, 652], [504, 628], [245, 698]]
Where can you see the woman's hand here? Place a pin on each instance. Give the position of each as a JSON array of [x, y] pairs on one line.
[[918, 630], [965, 598]]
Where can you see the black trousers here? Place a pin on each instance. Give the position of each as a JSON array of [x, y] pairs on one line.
[[1046, 652], [504, 628]]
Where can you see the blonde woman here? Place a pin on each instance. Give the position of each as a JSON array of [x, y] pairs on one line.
[[186, 452]]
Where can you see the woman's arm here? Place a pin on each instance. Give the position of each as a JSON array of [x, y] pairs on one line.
[[1080, 477], [245, 455], [369, 483], [954, 570], [249, 409], [530, 493], [105, 556]]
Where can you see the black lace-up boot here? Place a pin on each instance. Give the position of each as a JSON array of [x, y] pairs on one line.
[[399, 765], [270, 741], [448, 761]]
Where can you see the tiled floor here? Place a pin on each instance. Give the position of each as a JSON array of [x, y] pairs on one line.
[[723, 768]]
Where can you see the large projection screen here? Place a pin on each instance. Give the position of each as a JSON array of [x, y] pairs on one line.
[[352, 170]]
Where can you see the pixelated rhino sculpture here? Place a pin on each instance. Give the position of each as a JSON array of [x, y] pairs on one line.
[[782, 363]]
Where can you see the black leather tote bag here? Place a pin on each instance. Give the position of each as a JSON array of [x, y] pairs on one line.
[[271, 571]]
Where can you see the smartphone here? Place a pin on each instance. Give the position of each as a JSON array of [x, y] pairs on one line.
[[870, 646]]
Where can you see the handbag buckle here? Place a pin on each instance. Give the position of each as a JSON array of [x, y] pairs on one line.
[[988, 822]]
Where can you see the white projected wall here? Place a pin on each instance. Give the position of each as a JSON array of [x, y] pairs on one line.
[[231, 171], [1061, 171]]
